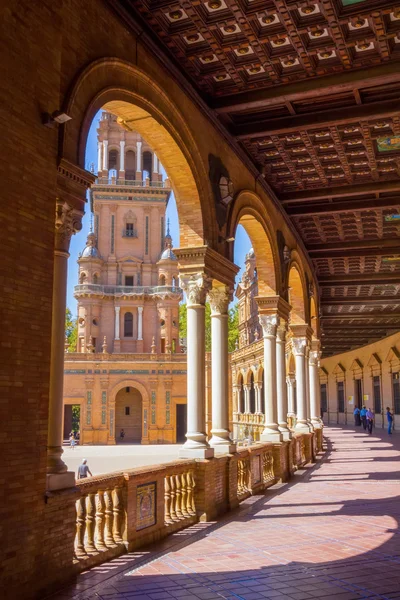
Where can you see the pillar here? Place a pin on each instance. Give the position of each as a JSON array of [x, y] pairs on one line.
[[307, 379], [257, 388], [68, 221], [138, 160], [140, 323], [299, 347], [117, 311], [99, 157], [155, 163], [315, 390], [122, 157], [246, 389], [105, 156], [271, 431], [290, 392], [282, 399], [221, 439], [196, 446]]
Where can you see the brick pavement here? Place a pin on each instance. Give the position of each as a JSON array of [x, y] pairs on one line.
[[331, 533]]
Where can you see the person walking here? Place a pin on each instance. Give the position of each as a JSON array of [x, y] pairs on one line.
[[72, 441], [370, 420], [357, 418], [122, 435], [389, 416], [83, 470], [363, 417]]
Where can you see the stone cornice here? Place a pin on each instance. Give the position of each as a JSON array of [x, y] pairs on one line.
[[269, 305], [301, 331], [203, 258]]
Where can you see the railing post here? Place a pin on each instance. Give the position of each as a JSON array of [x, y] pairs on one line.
[[167, 499], [178, 497], [100, 520], [90, 521], [80, 525], [117, 512], [184, 492], [109, 517], [173, 498]]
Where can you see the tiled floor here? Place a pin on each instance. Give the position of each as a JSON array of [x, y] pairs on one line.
[[331, 533]]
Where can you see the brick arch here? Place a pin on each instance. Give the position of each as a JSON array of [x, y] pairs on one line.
[[247, 377], [298, 293], [136, 99], [240, 378], [129, 383], [250, 212], [314, 317]]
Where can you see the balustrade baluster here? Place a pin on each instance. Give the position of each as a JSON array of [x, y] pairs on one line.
[[117, 512], [178, 493], [173, 498], [100, 520], [184, 495], [80, 525], [167, 500], [90, 521], [109, 517], [192, 485]]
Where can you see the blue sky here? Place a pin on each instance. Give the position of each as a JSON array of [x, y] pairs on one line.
[[242, 241]]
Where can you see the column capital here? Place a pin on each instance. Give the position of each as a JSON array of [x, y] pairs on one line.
[[214, 265], [219, 298], [196, 286], [299, 346], [67, 222], [117, 308], [269, 324], [314, 357]]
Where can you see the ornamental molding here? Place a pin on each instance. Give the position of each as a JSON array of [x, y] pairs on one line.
[[196, 287], [219, 300], [299, 346], [68, 220], [269, 324]]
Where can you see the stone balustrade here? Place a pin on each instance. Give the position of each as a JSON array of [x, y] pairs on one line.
[[123, 511]]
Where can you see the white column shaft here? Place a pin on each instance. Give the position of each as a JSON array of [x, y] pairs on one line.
[[301, 390], [290, 390], [138, 156], [117, 311], [155, 163], [271, 431], [105, 155], [99, 156], [315, 393], [246, 389], [122, 155], [282, 399], [140, 323]]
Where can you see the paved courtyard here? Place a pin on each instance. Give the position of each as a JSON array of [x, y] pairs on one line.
[[106, 459], [331, 533]]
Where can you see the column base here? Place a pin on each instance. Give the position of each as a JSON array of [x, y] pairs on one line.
[[271, 434], [286, 433], [196, 452], [316, 423], [60, 481], [302, 427], [227, 447]]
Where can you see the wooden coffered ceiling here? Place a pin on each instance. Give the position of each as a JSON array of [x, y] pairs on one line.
[[310, 90]]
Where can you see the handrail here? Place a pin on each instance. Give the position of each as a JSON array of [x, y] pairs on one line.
[[130, 182], [114, 290]]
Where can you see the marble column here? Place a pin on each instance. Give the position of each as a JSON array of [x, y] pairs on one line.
[[155, 163], [299, 348], [246, 391], [281, 381], [290, 391], [99, 157], [138, 160], [68, 221], [271, 431], [122, 156], [307, 379], [140, 323], [315, 390], [221, 439], [257, 389], [196, 446], [105, 157], [117, 311]]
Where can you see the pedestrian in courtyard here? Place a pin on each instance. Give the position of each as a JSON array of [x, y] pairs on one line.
[[370, 420], [122, 435], [363, 416], [83, 470], [72, 441], [357, 418], [389, 416]]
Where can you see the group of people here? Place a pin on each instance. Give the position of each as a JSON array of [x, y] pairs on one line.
[[365, 417], [74, 438]]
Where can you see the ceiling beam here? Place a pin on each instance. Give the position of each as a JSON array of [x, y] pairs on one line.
[[342, 206], [329, 84], [340, 191], [359, 279], [328, 329], [377, 244], [323, 118], [361, 316], [355, 300]]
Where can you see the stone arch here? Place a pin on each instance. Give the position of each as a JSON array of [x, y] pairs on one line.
[[113, 395], [143, 106], [298, 295], [83, 277], [314, 319], [250, 212]]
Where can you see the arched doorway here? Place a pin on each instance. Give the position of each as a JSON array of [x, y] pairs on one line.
[[128, 416]]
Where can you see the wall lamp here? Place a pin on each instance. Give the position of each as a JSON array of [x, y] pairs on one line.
[[55, 117], [229, 240]]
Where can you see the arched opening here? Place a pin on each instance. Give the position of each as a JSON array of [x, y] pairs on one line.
[[314, 321], [252, 394], [113, 163], [130, 165], [83, 278], [161, 280], [128, 324], [128, 416], [296, 296], [240, 395], [95, 279], [147, 165]]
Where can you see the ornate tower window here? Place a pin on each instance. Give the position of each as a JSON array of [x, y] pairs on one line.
[[130, 229], [128, 324]]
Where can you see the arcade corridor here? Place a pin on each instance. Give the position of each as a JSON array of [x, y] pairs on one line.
[[331, 533]]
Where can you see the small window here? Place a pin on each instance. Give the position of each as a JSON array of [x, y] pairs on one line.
[[162, 345], [127, 411], [129, 280], [128, 389], [377, 394], [95, 322], [130, 230], [128, 324], [113, 159], [162, 323]]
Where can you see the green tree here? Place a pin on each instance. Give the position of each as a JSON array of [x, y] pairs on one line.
[[71, 330], [233, 325]]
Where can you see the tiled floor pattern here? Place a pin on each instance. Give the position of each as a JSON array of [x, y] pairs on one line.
[[331, 533]]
